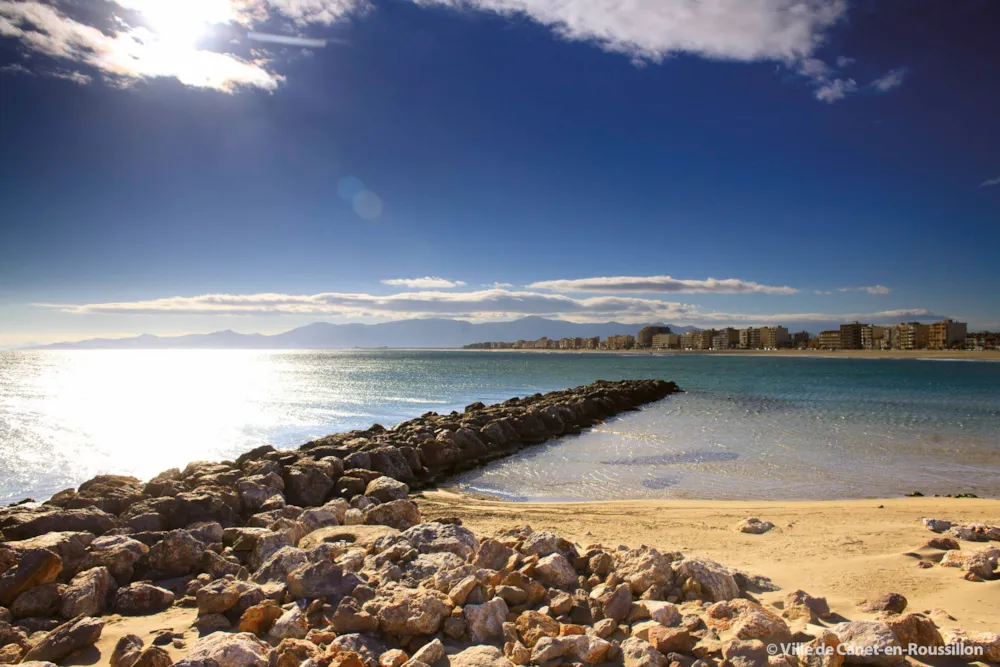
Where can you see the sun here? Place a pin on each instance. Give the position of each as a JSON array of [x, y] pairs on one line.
[[183, 22]]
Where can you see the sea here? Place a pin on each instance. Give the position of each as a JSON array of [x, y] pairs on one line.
[[746, 427]]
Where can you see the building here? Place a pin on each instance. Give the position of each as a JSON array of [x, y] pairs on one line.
[[771, 338], [850, 336], [946, 334], [645, 336], [688, 340], [726, 339], [666, 341], [800, 339], [912, 336], [591, 343], [749, 339], [829, 340], [620, 342], [982, 340], [703, 339], [876, 338]]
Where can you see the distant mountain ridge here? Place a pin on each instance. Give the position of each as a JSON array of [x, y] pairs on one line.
[[426, 333]]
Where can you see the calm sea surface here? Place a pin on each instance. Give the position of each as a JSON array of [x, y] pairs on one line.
[[747, 427]]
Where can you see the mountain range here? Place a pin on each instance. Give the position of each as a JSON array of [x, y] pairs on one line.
[[420, 333]]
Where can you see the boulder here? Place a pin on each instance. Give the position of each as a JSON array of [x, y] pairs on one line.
[[532, 626], [480, 656], [142, 598], [387, 489], [71, 547], [554, 570], [640, 653], [671, 640], [754, 526], [399, 514], [890, 602], [368, 646], [800, 605], [87, 593], [307, 484], [259, 618], [869, 643], [433, 537], [492, 555], [714, 581], [279, 565], [68, 637], [913, 629], [349, 618], [644, 567], [34, 568], [403, 611], [743, 619], [40, 601], [216, 597], [126, 651], [321, 580], [231, 650], [485, 621], [176, 554], [21, 523], [294, 652], [290, 625], [821, 651], [359, 536], [118, 553], [429, 653]]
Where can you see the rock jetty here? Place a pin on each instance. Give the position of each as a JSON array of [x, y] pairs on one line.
[[318, 557]]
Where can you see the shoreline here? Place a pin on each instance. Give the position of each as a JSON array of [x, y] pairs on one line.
[[942, 355]]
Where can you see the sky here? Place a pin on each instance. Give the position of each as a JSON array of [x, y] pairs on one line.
[[184, 166]]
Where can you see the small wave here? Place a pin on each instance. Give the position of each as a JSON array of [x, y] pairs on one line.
[[675, 459]]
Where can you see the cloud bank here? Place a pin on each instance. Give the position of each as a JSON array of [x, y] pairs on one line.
[[427, 282], [990, 183], [479, 305], [667, 284]]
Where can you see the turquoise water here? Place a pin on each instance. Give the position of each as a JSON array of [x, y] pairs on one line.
[[747, 427]]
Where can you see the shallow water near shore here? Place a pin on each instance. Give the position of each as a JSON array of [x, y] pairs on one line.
[[747, 427]]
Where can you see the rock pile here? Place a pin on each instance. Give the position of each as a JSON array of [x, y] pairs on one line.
[[980, 565]]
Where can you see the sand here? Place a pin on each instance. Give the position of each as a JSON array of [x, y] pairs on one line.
[[842, 550]]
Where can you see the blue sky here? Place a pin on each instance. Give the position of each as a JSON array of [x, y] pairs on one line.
[[798, 162]]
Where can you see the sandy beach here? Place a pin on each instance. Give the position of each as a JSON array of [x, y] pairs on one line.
[[842, 550]]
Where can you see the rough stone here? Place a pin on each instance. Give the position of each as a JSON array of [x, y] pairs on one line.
[[142, 598], [87, 593], [554, 570], [485, 621], [869, 643], [399, 514], [404, 611], [715, 581], [68, 637], [231, 650], [34, 568], [640, 653], [480, 656]]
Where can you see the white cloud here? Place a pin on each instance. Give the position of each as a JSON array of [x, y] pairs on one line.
[[990, 183], [844, 61], [76, 77], [871, 289], [667, 284], [892, 79], [427, 282], [479, 305], [147, 39], [499, 285], [651, 30], [836, 89], [16, 68]]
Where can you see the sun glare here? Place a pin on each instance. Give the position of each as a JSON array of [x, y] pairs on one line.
[[183, 22]]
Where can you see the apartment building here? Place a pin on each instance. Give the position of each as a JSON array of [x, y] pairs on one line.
[[749, 338], [726, 339], [912, 336], [800, 339], [619, 342], [829, 340], [946, 334], [688, 340], [771, 338], [850, 336], [982, 340], [666, 341], [645, 336], [876, 337]]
